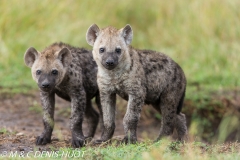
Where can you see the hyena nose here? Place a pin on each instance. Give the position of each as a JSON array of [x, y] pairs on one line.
[[45, 85], [109, 62]]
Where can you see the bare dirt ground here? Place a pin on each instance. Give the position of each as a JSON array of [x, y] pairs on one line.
[[21, 123], [21, 120]]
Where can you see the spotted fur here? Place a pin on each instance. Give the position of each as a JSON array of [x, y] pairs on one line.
[[75, 81], [139, 76]]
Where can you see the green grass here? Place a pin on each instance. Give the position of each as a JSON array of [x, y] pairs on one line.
[[143, 151]]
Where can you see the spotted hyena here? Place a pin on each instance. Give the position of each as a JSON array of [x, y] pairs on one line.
[[70, 73], [140, 77]]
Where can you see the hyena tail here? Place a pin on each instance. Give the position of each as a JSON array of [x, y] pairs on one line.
[[180, 104]]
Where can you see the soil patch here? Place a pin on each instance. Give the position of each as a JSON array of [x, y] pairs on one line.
[[21, 123]]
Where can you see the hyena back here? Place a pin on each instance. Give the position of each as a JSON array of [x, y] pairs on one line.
[[70, 73], [139, 76]]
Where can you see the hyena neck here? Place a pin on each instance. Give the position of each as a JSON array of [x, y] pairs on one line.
[[64, 79]]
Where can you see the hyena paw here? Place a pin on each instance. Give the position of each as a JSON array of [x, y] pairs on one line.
[[129, 140], [43, 140], [77, 142]]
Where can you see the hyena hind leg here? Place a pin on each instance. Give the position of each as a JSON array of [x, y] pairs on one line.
[[167, 123], [92, 118], [168, 107], [181, 127], [99, 106]]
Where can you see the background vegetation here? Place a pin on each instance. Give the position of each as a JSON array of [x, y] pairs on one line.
[[202, 36]]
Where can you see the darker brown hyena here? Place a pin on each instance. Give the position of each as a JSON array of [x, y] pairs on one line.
[[70, 73], [139, 76]]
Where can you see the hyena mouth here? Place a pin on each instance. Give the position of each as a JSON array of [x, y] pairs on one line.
[[46, 89], [110, 67]]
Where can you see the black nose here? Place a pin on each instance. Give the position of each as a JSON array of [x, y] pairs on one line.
[[109, 62], [45, 85]]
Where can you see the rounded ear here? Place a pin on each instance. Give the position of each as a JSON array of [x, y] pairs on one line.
[[30, 56], [127, 34], [92, 34], [65, 56]]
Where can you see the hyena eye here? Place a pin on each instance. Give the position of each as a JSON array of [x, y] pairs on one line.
[[54, 72], [38, 72], [118, 50], [101, 50]]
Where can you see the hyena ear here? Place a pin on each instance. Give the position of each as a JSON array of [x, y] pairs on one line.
[[92, 34], [30, 56], [65, 57], [127, 34]]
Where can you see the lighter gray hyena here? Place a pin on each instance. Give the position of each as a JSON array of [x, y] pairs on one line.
[[139, 76], [71, 73]]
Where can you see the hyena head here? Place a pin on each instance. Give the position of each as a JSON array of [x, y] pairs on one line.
[[48, 67], [110, 45]]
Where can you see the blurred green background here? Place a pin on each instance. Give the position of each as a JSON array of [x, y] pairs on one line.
[[202, 36]]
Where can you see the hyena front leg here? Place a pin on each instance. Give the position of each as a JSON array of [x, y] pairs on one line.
[[131, 118], [78, 103], [108, 102], [48, 104]]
